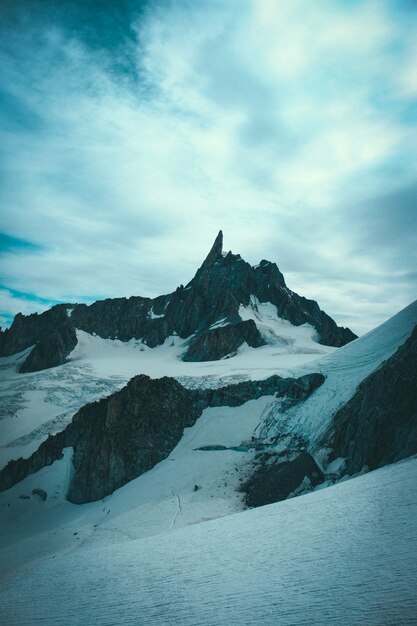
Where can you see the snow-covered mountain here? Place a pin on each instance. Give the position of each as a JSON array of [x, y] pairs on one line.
[[227, 309], [42, 403], [210, 312], [161, 444]]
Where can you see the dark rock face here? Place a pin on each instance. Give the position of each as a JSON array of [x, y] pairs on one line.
[[211, 345], [275, 480], [26, 330], [40, 493], [51, 351], [120, 437], [48, 452], [294, 389], [379, 424], [127, 434], [220, 286]]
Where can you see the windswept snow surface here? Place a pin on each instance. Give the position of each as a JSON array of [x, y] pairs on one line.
[[39, 403], [342, 555]]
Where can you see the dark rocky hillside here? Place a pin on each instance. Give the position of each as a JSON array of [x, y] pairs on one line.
[[220, 286], [278, 477]]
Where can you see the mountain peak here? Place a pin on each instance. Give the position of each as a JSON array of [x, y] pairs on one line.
[[216, 251]]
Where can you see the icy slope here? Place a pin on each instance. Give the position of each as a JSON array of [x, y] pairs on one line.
[[33, 405], [39, 403], [344, 370], [343, 555]]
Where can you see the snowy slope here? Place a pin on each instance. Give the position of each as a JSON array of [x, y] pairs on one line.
[[344, 370], [155, 502], [148, 550], [39, 403], [342, 555]]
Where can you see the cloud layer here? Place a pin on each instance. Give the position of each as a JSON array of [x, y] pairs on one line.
[[129, 136]]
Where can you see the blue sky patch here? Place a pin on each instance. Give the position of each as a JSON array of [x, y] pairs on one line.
[[9, 243]]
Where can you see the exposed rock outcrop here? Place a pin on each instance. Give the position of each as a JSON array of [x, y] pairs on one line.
[[213, 297], [294, 389], [40, 493], [120, 437], [49, 451], [123, 436], [211, 345], [27, 330], [276, 479], [51, 351], [379, 424]]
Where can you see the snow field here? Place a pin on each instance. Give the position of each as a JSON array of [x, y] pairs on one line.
[[342, 555], [157, 551]]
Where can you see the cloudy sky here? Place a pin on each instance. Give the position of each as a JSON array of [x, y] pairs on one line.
[[131, 131]]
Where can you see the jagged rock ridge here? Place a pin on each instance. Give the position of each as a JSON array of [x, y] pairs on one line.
[[222, 284]]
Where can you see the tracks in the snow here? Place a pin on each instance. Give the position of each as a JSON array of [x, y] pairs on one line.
[[178, 511]]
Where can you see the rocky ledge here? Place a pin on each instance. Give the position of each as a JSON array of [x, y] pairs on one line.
[[278, 476]]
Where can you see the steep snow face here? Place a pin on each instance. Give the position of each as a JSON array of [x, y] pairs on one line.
[[344, 370], [40, 403], [343, 555]]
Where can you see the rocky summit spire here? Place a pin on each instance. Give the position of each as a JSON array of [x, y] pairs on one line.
[[216, 251]]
